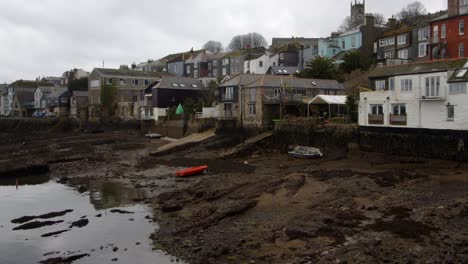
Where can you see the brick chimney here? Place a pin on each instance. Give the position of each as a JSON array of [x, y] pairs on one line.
[[370, 20], [453, 7], [392, 23]]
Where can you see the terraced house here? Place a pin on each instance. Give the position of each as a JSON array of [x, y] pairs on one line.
[[127, 89]]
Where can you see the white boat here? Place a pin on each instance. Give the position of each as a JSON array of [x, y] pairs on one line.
[[302, 152], [153, 135]]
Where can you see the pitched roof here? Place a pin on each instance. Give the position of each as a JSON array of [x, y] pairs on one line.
[[58, 92], [126, 73], [47, 89], [241, 79], [293, 82], [460, 75], [177, 83], [29, 84], [283, 70], [417, 68], [183, 56]]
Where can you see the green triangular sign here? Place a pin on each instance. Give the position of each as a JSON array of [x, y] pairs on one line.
[[180, 110]]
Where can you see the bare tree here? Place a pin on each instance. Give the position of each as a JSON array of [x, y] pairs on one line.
[[214, 47], [346, 25], [411, 15], [379, 19], [247, 41]]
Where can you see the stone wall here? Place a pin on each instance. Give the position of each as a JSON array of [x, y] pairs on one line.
[[427, 143]]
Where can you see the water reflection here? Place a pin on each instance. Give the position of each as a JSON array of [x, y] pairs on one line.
[[104, 195], [107, 236], [24, 180]]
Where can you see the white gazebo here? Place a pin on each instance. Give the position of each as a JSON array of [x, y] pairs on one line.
[[330, 100]]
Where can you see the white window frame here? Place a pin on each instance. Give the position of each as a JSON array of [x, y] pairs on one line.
[[188, 69], [463, 3], [109, 81], [461, 27], [402, 39], [252, 109], [229, 93], [399, 108], [435, 31], [422, 47], [432, 86], [376, 109], [391, 84], [403, 54], [382, 43], [457, 88], [380, 85], [389, 55], [123, 81], [252, 95], [135, 82], [423, 33], [406, 85], [461, 50], [450, 113], [443, 31]]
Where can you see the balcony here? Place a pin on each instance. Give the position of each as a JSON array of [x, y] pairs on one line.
[[284, 98], [398, 120], [376, 119], [432, 98]]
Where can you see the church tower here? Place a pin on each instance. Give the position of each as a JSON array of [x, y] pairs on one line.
[[358, 13]]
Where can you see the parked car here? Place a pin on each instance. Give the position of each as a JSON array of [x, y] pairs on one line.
[[38, 115], [51, 114]]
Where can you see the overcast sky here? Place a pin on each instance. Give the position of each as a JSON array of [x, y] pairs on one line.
[[48, 37]]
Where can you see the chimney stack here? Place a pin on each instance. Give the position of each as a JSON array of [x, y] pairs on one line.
[[392, 22], [453, 7], [370, 20]]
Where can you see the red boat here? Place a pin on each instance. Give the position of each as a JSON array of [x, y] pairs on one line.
[[191, 171]]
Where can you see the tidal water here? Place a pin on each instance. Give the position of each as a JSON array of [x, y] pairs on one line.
[[111, 238]]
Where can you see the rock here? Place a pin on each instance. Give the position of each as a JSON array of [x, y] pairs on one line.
[[114, 259], [118, 211], [82, 189], [66, 260], [80, 223], [63, 180], [55, 233], [25, 219], [115, 249], [99, 215], [36, 224]]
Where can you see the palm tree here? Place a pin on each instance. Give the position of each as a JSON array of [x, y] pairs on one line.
[[320, 68]]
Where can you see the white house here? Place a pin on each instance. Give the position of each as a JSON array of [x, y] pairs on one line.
[[430, 95], [258, 64]]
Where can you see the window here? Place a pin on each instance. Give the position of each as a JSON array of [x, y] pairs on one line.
[[382, 43], [343, 44], [210, 66], [226, 61], [135, 82], [277, 92], [252, 95], [229, 93], [457, 88], [123, 82], [147, 82], [450, 112], [64, 100], [389, 55], [376, 109], [195, 73], [281, 56], [195, 65], [391, 84], [461, 50], [391, 41], [436, 32], [399, 109], [353, 42], [402, 39], [432, 86], [403, 54], [188, 69], [423, 33], [406, 86], [461, 27], [215, 63], [380, 85], [252, 109], [109, 81], [215, 72], [224, 72], [463, 2], [423, 50], [260, 64], [443, 33]]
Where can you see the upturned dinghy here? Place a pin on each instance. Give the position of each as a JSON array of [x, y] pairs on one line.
[[302, 152]]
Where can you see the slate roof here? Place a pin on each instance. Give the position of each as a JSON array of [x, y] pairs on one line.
[[47, 89], [460, 74], [126, 73], [29, 84], [417, 68], [241, 79], [176, 83], [283, 70], [293, 82], [58, 92], [183, 56]]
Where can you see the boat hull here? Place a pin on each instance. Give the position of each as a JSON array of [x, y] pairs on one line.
[[191, 171]]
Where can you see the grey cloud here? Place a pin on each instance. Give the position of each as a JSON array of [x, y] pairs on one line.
[[48, 37]]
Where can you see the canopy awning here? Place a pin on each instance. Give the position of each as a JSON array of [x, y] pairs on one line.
[[328, 100]]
